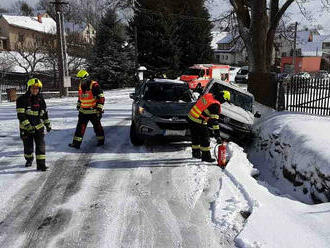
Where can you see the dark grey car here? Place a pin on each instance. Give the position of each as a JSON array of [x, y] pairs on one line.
[[242, 75], [160, 109]]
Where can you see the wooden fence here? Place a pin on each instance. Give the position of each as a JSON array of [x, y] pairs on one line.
[[305, 95]]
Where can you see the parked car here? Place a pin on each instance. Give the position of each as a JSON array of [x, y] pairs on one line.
[[304, 75], [242, 75], [233, 72], [159, 110], [237, 117]]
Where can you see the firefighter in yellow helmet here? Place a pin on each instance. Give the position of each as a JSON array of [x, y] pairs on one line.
[[206, 113], [90, 106], [33, 117]]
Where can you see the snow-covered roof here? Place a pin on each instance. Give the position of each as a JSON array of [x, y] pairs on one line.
[[313, 48], [216, 36], [226, 39], [47, 25]]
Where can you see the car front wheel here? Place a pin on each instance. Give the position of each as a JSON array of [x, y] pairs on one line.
[[136, 140]]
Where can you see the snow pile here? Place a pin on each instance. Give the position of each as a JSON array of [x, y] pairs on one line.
[[295, 146], [275, 220]]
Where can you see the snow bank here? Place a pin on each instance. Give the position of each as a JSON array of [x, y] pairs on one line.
[[294, 146]]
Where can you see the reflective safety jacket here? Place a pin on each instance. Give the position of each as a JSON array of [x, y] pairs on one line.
[[206, 111], [90, 100], [32, 111]]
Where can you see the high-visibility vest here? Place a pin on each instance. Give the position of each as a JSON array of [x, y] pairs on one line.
[[202, 104], [87, 100]]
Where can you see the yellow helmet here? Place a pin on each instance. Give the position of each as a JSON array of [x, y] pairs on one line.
[[226, 95], [34, 82], [82, 74]]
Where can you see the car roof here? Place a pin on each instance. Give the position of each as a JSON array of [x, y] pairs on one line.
[[166, 81], [233, 86]]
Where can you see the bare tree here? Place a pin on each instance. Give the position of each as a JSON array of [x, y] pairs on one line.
[[23, 8], [27, 56], [257, 23]]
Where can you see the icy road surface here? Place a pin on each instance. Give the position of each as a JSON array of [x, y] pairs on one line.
[[114, 196]]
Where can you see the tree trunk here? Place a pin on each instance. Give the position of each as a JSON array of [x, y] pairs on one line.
[[260, 59]]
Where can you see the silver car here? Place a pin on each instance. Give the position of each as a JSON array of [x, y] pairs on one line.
[[159, 110], [237, 117]]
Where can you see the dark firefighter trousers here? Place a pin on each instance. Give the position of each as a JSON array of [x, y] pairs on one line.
[[39, 139], [200, 137], [83, 120]]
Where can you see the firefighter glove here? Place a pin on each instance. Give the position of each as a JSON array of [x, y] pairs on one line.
[[99, 115], [30, 129], [48, 128]]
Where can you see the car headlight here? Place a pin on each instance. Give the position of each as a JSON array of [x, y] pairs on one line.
[[144, 113]]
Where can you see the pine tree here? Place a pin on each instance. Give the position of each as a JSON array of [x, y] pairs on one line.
[[157, 38], [195, 33], [172, 34], [112, 61]]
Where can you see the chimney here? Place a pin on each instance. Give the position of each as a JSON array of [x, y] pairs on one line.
[[39, 18]]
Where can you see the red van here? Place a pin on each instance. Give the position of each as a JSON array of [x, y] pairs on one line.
[[200, 74]]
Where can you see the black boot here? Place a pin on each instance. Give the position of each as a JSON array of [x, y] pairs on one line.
[[206, 157], [75, 145], [196, 153], [28, 163], [100, 142], [42, 168]]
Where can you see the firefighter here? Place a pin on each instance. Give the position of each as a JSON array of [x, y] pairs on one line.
[[90, 106], [33, 117], [203, 114]]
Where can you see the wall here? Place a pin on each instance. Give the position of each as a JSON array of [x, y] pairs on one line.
[[308, 64]]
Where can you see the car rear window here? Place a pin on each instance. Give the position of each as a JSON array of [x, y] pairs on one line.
[[167, 93]]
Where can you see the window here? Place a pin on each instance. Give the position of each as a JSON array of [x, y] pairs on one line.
[[226, 57], [284, 54], [222, 57], [217, 57], [326, 45]]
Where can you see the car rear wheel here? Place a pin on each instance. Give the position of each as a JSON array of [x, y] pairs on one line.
[[136, 140]]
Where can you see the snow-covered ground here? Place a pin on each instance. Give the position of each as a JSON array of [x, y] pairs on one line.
[[150, 196]]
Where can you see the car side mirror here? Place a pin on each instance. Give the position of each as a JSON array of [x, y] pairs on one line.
[[132, 96], [257, 115]]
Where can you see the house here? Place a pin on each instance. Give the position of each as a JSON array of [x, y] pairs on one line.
[[311, 50], [86, 32], [25, 30], [228, 49]]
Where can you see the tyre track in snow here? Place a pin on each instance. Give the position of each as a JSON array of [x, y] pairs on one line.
[[144, 208], [43, 220]]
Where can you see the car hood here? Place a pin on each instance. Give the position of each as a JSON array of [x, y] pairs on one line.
[[167, 109], [188, 78], [237, 113]]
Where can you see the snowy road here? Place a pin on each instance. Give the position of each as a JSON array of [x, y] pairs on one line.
[[115, 196], [150, 196]]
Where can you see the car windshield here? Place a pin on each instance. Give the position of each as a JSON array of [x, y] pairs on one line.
[[238, 98], [243, 72], [165, 92], [194, 72]]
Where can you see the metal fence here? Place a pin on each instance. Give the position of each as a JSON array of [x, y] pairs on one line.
[[18, 81], [308, 95]]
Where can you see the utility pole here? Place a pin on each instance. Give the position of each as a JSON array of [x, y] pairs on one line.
[[136, 42], [294, 47], [61, 50]]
